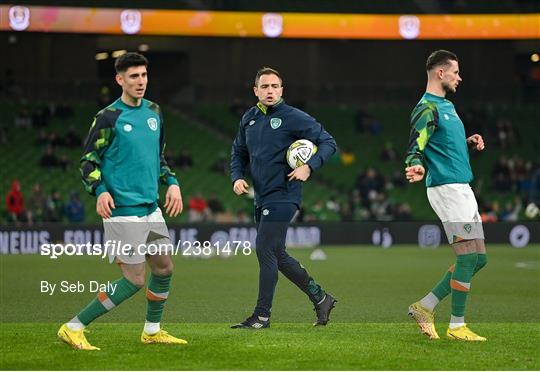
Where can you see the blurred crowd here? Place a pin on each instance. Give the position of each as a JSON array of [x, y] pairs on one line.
[[512, 174], [371, 198], [367, 201], [184, 161], [48, 140], [40, 207]]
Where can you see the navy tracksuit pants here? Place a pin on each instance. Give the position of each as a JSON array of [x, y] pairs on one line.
[[272, 223]]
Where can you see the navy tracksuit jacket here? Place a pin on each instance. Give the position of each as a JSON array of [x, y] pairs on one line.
[[264, 147]]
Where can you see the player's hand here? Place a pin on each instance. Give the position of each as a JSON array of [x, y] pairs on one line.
[[301, 173], [415, 173], [173, 201], [104, 204], [476, 142], [240, 187]]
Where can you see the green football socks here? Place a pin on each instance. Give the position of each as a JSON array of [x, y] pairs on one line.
[[481, 262], [119, 291], [442, 289], [460, 283], [156, 294]]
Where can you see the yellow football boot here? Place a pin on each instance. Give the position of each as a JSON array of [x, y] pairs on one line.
[[162, 337], [76, 339], [463, 333], [425, 320]]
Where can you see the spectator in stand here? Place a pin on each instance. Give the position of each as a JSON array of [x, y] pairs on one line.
[[51, 109], [345, 212], [505, 133], [49, 158], [54, 207], [490, 212], [63, 163], [72, 138], [533, 207], [36, 203], [402, 212], [243, 217], [347, 157], [214, 204], [40, 117], [316, 212], [360, 213], [56, 140], [397, 179], [360, 121], [185, 160], [332, 205], [511, 211], [380, 207], [501, 175], [198, 208], [221, 165], [42, 139], [374, 126], [74, 209], [23, 119], [512, 174], [388, 153], [217, 212], [15, 202], [523, 175], [369, 181]]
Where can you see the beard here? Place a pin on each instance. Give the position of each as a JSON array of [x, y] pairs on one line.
[[448, 88]]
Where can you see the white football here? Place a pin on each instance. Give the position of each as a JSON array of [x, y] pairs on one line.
[[300, 152], [532, 211]]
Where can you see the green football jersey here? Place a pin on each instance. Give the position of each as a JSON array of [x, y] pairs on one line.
[[438, 142], [124, 156]]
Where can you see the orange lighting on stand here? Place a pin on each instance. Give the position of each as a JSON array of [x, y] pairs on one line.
[[257, 24]]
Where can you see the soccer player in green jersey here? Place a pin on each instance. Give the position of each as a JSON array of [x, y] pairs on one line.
[[123, 165], [439, 149]]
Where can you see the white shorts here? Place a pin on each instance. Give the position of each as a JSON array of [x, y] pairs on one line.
[[457, 209], [132, 238]]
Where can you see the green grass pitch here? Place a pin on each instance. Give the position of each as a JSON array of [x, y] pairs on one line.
[[369, 328]]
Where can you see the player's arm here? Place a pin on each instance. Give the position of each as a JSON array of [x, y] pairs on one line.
[[98, 141], [239, 161], [312, 130], [424, 122], [173, 198]]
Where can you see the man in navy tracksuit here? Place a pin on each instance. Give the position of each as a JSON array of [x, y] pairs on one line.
[[266, 132]]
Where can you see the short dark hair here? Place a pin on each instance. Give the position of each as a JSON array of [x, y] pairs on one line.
[[267, 71], [440, 57], [128, 60]]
